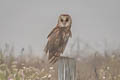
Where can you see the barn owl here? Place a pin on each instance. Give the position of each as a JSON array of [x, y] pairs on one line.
[[58, 38]]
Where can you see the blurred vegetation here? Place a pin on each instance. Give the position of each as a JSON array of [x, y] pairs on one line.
[[95, 66]]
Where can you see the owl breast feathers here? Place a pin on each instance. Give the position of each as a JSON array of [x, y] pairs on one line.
[[57, 41]]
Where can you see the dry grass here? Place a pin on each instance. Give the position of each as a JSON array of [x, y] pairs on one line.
[[27, 67]]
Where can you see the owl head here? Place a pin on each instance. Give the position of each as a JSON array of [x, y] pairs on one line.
[[64, 20]]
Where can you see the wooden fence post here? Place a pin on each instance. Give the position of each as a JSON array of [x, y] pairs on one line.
[[66, 68]]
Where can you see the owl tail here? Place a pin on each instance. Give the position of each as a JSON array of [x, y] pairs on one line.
[[53, 58]]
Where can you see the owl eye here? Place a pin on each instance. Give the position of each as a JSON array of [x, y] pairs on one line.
[[61, 20], [67, 20]]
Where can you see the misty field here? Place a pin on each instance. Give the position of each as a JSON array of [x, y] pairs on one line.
[[29, 67]]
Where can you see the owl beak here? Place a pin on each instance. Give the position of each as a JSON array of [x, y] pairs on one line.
[[64, 23]]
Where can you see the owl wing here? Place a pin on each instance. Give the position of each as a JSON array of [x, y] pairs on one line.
[[53, 31], [53, 43]]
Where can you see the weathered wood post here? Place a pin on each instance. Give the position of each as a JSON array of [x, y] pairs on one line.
[[66, 68]]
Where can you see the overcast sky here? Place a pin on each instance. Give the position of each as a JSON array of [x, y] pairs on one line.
[[28, 22]]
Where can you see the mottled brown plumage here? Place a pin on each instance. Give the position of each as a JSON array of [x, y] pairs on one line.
[[58, 38]]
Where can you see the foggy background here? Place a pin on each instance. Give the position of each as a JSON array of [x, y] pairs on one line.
[[26, 23]]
